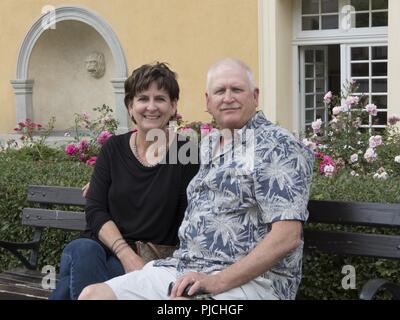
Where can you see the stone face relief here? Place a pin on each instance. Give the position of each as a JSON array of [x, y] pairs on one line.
[[96, 65]]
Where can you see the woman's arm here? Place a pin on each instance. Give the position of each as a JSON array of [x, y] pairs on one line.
[[112, 238], [99, 219]]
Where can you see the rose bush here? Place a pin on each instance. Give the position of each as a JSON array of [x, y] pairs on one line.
[[345, 146], [90, 135]]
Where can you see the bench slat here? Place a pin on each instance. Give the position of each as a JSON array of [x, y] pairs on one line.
[[354, 213], [348, 243], [54, 219], [16, 291], [56, 195]]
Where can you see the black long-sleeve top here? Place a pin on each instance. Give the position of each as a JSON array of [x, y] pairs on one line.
[[146, 203]]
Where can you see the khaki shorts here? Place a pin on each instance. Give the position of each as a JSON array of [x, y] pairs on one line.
[[151, 283]]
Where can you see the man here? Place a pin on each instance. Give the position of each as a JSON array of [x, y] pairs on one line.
[[241, 237]]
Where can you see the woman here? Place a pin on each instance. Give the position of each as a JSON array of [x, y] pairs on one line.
[[132, 195]]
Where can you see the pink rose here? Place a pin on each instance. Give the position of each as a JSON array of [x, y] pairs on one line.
[[372, 109], [328, 97], [370, 155], [336, 110], [352, 100], [71, 149], [205, 129], [83, 145], [393, 120], [103, 137], [92, 161], [316, 125], [375, 141]]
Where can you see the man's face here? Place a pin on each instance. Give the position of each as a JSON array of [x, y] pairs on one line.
[[230, 98]]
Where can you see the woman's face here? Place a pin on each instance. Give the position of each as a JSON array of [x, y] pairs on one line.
[[152, 108]]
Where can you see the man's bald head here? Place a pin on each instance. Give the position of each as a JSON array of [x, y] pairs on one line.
[[231, 63]]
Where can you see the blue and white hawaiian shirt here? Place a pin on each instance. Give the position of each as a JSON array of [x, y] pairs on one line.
[[263, 175]]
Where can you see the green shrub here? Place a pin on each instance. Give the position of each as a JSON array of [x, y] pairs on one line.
[[322, 275], [17, 170]]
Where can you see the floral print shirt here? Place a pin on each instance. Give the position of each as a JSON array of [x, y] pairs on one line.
[[263, 176]]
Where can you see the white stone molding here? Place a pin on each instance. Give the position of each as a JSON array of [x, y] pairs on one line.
[[23, 96], [66, 13], [120, 113]]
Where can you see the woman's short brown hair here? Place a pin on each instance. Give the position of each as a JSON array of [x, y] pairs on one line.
[[142, 78]]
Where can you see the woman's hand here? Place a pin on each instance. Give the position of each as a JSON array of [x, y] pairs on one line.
[[130, 260], [85, 189]]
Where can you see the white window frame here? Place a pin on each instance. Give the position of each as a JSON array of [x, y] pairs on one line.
[[354, 36], [347, 50], [302, 84], [332, 34]]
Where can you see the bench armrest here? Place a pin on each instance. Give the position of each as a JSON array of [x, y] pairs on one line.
[[13, 247], [370, 289]]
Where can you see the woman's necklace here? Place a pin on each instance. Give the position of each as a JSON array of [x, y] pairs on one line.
[[138, 157]]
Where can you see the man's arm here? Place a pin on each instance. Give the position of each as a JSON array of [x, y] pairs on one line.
[[284, 237]]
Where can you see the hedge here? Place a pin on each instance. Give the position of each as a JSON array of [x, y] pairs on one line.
[[18, 169], [321, 273]]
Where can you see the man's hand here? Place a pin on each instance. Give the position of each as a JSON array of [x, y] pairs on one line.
[[85, 189], [130, 260], [207, 283]]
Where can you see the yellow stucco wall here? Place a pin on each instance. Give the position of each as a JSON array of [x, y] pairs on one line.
[[189, 34]]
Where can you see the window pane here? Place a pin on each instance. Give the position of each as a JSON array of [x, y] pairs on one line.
[[362, 20], [329, 6], [379, 53], [320, 100], [319, 70], [379, 4], [309, 56], [319, 56], [309, 71], [363, 86], [330, 22], [379, 69], [379, 85], [380, 119], [309, 86], [360, 70], [310, 7], [320, 85], [309, 116], [311, 23], [320, 114], [309, 101], [380, 101], [379, 19], [360, 53], [360, 4]]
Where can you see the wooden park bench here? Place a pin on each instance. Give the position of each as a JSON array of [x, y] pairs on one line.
[[26, 282], [376, 215]]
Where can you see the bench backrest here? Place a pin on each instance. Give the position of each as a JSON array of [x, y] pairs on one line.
[[45, 216], [375, 215], [326, 212]]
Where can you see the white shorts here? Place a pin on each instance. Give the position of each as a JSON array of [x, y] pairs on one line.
[[151, 283]]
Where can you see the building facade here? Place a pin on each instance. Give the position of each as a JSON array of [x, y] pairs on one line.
[[59, 59]]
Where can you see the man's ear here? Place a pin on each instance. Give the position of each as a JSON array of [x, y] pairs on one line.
[[256, 95], [207, 100]]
